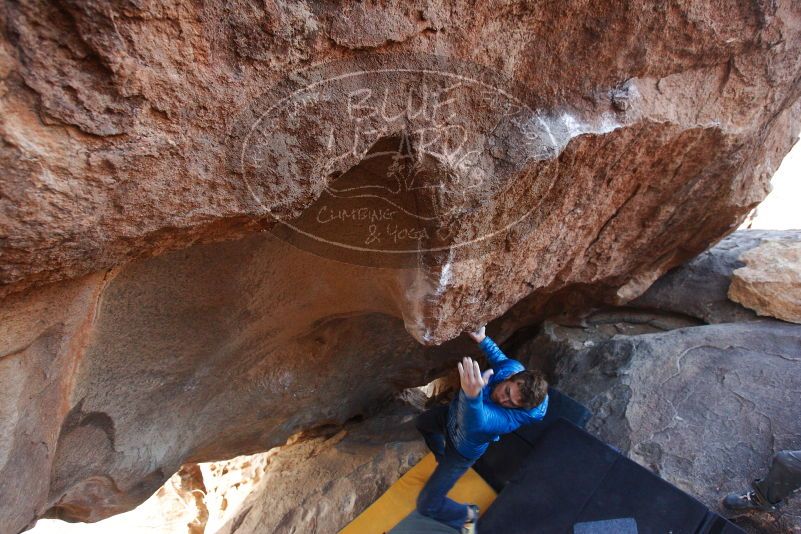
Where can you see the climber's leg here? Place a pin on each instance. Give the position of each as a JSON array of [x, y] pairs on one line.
[[784, 477], [432, 425], [433, 501]]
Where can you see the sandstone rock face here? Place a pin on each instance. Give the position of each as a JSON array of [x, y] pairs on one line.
[[556, 341], [641, 134], [111, 382], [770, 283], [549, 152], [315, 485], [178, 507], [700, 287], [352, 470], [693, 293]]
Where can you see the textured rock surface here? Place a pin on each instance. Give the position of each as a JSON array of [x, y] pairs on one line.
[[353, 470], [693, 293], [705, 407], [316, 485], [700, 287], [178, 507], [111, 382], [666, 124], [556, 341], [770, 282], [654, 131]]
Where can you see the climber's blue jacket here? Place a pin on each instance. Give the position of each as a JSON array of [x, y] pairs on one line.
[[473, 423]]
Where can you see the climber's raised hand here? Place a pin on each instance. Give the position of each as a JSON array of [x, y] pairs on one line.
[[479, 335], [471, 377]]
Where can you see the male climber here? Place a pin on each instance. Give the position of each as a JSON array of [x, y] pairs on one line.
[[504, 398]]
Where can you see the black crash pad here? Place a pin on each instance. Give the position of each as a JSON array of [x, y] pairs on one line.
[[494, 465], [570, 482]]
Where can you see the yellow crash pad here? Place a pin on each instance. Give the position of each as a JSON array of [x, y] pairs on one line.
[[401, 498]]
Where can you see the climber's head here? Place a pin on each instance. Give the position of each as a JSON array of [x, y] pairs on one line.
[[525, 389]]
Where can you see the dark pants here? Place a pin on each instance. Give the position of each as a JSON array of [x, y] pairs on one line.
[[433, 501], [783, 478]]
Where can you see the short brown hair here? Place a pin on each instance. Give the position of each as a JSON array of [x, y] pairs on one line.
[[533, 387]]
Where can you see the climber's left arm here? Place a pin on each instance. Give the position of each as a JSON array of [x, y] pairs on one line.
[[470, 412]]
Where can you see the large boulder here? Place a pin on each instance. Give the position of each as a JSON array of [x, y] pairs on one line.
[[322, 486], [588, 146], [315, 484], [701, 287], [583, 150], [770, 282]]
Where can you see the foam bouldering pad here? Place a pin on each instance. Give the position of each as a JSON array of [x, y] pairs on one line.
[[494, 466], [571, 478], [400, 500], [560, 406]]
